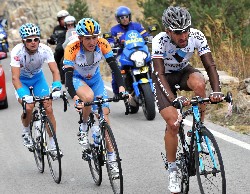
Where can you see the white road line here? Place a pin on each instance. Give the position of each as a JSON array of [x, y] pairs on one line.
[[215, 133], [224, 137]]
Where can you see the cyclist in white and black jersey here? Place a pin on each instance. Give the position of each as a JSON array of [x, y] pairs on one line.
[[171, 52], [27, 59]]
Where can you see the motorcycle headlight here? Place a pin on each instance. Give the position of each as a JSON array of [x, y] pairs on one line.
[[138, 57], [1, 36]]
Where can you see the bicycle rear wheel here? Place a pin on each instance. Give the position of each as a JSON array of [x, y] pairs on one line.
[[53, 153], [209, 165], [38, 148], [116, 179]]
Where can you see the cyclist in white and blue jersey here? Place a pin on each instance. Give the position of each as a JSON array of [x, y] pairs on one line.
[[27, 59]]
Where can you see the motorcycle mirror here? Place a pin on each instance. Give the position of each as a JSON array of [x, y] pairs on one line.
[[106, 35], [152, 28]]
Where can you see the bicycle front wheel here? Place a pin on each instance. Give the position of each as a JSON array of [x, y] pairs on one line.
[[209, 165], [182, 162], [114, 168], [52, 151], [38, 148]]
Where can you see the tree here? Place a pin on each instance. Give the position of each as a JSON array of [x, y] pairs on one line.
[[79, 9]]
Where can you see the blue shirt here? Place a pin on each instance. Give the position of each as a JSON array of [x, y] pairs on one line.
[[118, 31]]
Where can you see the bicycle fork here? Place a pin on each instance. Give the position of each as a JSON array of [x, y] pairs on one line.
[[199, 149]]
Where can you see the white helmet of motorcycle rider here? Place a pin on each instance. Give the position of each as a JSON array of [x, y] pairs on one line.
[[62, 14], [70, 22]]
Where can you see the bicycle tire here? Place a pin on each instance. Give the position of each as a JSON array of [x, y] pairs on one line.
[[54, 160], [95, 164], [115, 181], [211, 179], [182, 162], [38, 149]]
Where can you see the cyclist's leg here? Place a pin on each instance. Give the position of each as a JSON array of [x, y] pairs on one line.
[[170, 115], [85, 93], [27, 141], [192, 79]]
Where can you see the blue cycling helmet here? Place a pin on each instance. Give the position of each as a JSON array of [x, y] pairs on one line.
[[29, 29], [121, 11], [88, 27]]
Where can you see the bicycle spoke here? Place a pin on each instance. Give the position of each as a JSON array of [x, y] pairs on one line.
[[95, 165]]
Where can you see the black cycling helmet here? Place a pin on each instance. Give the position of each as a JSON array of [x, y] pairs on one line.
[[122, 11], [176, 18]]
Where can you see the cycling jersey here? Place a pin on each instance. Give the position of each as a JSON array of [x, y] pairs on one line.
[[74, 56], [176, 58], [30, 65], [118, 32]]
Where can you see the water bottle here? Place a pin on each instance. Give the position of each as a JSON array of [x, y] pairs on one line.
[[96, 134]]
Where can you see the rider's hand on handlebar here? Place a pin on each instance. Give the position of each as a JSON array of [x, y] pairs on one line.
[[216, 97], [184, 101], [123, 92], [79, 105], [28, 99], [56, 94]]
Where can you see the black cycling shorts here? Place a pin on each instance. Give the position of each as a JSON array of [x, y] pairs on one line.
[[178, 77]]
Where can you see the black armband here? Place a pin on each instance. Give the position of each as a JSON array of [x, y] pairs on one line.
[[69, 82], [116, 71]]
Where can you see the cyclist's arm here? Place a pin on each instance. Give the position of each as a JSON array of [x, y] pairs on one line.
[[212, 73], [16, 77], [115, 70], [159, 72], [54, 70], [69, 81]]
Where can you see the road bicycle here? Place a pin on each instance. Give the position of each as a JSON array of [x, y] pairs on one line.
[[41, 129], [97, 154], [202, 157]]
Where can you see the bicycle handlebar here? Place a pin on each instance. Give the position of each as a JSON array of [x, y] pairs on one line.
[[199, 100], [101, 100], [41, 99]]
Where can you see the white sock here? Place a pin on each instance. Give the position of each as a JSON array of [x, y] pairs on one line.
[[172, 166], [111, 156], [83, 127], [26, 129]]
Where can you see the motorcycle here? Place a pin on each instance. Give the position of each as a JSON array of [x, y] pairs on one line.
[[135, 66], [4, 46]]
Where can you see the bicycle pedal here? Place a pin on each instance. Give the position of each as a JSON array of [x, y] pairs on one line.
[[31, 149], [86, 155]]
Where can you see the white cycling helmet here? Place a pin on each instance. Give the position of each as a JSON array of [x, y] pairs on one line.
[[62, 13], [70, 19]]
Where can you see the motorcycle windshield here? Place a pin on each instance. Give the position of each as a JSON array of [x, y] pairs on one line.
[[133, 39]]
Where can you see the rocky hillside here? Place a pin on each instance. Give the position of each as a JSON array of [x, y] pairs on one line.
[[44, 13]]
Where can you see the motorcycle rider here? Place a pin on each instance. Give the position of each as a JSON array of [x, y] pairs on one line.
[[70, 24], [124, 18], [58, 38]]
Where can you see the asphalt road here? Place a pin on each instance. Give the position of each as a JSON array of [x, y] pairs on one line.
[[140, 144]]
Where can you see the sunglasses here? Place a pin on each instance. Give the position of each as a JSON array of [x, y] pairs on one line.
[[123, 17], [180, 31], [29, 40], [70, 24]]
